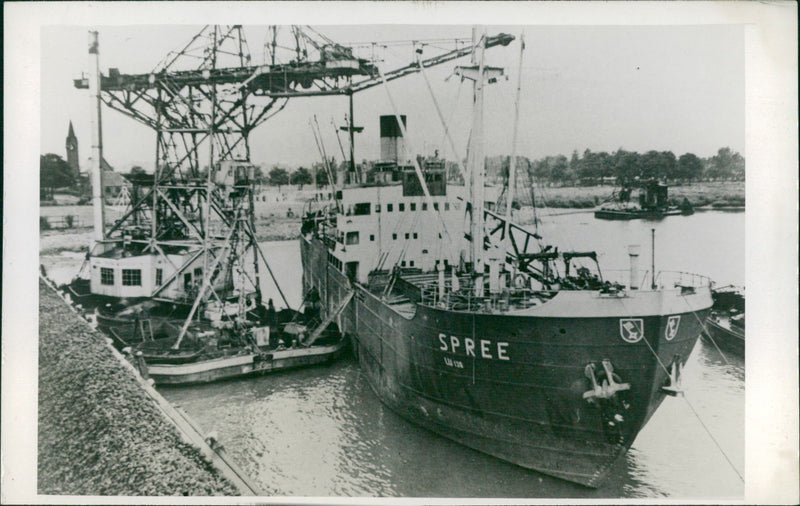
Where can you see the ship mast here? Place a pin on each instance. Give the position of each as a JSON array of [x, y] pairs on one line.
[[475, 175], [475, 165], [97, 138]]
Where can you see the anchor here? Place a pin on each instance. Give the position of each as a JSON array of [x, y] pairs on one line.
[[608, 387], [673, 388]]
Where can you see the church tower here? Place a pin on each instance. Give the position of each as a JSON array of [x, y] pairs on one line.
[[72, 152]]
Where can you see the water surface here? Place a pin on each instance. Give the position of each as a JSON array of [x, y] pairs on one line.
[[322, 431]]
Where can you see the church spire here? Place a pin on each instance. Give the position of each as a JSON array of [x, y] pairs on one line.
[[72, 152]]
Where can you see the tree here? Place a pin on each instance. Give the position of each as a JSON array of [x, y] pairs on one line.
[[301, 176], [136, 170], [738, 166], [559, 168], [541, 170], [575, 165], [322, 174], [54, 172], [650, 162], [689, 166], [588, 166], [726, 164], [605, 164], [658, 165], [258, 174], [278, 177], [627, 165], [669, 165]]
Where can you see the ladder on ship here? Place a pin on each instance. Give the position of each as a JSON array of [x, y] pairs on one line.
[[329, 319], [146, 329]]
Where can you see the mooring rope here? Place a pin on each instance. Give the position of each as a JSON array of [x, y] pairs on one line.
[[683, 394]]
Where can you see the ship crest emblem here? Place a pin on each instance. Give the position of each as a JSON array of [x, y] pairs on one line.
[[672, 327], [631, 330]]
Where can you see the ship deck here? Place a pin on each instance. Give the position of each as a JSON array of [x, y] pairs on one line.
[[410, 289], [423, 288]]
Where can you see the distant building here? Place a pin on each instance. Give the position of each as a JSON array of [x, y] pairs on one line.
[[114, 183], [72, 153], [82, 183]]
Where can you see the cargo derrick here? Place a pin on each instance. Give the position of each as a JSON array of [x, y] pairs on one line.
[[190, 227]]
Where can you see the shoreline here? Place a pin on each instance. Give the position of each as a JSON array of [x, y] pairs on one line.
[[56, 241]]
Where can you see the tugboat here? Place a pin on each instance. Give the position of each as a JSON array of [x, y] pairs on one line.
[[469, 325], [725, 324], [653, 203]]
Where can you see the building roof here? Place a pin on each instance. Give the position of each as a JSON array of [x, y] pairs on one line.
[[111, 178]]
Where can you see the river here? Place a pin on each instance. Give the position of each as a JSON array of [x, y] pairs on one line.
[[322, 431]]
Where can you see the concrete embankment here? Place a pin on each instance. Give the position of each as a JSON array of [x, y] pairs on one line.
[[103, 431]]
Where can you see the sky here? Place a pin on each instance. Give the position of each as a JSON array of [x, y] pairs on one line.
[[677, 88]]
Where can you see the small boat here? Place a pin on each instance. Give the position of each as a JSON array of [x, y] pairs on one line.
[[214, 355], [653, 204], [725, 324]]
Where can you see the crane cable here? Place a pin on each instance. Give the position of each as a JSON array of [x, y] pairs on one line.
[[512, 162]]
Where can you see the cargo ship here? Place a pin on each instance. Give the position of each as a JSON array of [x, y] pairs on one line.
[[470, 325]]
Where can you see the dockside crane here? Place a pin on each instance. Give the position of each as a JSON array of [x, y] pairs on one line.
[[203, 101]]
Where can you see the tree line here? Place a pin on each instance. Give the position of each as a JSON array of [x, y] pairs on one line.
[[589, 168], [623, 165]]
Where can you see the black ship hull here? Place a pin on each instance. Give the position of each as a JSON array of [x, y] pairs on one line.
[[518, 387], [614, 214]]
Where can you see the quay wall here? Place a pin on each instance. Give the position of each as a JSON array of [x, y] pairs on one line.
[[99, 430]]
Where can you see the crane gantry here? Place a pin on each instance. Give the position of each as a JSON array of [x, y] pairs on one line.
[[203, 101]]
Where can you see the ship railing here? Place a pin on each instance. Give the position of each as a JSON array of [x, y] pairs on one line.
[[521, 298], [464, 299], [664, 279], [623, 277], [681, 279]]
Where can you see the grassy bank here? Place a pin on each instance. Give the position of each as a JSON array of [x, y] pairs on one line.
[[99, 433], [714, 194]]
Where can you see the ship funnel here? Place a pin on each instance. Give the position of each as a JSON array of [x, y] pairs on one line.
[[633, 253], [392, 142]]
